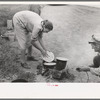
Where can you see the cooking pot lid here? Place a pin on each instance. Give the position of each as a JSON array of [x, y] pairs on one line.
[[62, 58], [49, 64], [50, 58]]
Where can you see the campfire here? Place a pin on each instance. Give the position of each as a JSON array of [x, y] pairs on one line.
[[55, 69]]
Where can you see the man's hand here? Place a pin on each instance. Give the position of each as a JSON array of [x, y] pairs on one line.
[[85, 69], [44, 53]]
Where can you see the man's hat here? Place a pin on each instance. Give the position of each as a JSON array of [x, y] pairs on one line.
[[95, 39]]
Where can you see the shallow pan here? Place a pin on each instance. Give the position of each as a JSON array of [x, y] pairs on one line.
[[49, 65]]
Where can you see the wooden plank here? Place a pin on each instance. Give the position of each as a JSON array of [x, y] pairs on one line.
[[9, 24]]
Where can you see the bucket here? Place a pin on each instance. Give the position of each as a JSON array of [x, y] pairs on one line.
[[61, 63], [49, 65]]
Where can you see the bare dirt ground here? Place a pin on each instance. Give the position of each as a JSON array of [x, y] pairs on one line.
[[73, 27]]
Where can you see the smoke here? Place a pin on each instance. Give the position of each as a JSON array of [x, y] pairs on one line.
[[73, 28]]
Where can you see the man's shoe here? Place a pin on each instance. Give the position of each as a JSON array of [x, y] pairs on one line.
[[31, 58], [25, 65]]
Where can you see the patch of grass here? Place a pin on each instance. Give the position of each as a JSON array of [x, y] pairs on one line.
[[3, 30], [10, 67], [29, 76], [8, 59]]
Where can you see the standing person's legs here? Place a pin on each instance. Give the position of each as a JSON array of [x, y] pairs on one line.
[[21, 36], [29, 47], [30, 51], [23, 58], [22, 39]]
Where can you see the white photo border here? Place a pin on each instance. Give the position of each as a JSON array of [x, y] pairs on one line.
[[50, 90]]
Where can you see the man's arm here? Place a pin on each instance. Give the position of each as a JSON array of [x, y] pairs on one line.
[[94, 71], [41, 42], [37, 45], [35, 42], [35, 32]]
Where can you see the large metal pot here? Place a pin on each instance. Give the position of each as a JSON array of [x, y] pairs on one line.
[[61, 63]]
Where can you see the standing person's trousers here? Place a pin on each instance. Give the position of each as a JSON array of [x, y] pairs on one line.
[[22, 35]]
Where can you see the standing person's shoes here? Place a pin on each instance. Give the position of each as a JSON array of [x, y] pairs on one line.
[[31, 58], [25, 65]]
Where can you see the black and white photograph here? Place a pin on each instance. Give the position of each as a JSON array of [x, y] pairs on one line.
[[49, 50], [50, 43]]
